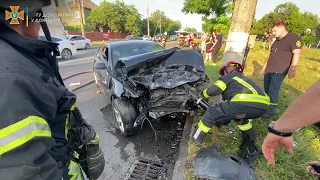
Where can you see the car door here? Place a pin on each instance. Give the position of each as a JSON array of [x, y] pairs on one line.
[[102, 70], [81, 42]]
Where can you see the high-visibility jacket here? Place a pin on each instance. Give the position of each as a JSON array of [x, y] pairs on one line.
[[237, 88], [35, 107]]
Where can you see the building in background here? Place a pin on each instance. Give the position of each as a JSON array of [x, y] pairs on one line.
[[88, 5]]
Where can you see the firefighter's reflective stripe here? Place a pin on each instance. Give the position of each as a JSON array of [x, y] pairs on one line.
[[205, 94], [221, 85], [251, 98], [95, 140], [245, 84], [274, 104], [23, 131], [245, 127], [203, 127], [75, 171], [66, 129]]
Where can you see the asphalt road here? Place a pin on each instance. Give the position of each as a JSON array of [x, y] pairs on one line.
[[120, 152]]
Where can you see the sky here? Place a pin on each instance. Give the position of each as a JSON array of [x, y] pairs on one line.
[[172, 9]]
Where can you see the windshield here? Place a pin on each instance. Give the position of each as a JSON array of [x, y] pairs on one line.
[[66, 37], [130, 50]]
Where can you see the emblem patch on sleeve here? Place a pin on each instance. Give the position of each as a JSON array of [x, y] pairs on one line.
[[298, 43]]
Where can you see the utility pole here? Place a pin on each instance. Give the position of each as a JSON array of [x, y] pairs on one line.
[[241, 21], [160, 24], [80, 6], [148, 19]]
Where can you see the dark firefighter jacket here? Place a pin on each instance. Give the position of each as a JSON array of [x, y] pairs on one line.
[[237, 88], [34, 109]]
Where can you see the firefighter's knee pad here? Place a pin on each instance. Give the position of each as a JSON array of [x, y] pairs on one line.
[[199, 132]]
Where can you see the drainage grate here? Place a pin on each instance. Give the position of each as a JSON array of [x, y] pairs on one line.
[[144, 169]]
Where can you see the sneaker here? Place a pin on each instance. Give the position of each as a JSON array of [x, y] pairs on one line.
[[214, 64]]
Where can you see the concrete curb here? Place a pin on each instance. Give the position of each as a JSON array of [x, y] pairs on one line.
[[181, 161]]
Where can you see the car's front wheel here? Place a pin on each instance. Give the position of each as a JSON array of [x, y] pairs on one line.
[[124, 116], [87, 46], [66, 54]]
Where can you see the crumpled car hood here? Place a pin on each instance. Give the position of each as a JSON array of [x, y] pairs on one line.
[[163, 69], [166, 77]]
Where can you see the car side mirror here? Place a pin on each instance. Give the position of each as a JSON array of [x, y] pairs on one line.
[[100, 65]]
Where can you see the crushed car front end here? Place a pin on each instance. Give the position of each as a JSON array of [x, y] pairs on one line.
[[156, 81]]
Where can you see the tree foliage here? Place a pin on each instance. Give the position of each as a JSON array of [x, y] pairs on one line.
[[207, 7], [190, 29], [125, 18], [214, 13], [222, 22], [158, 20], [288, 13], [118, 16]]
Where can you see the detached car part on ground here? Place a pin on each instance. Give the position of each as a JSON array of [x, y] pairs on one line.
[[151, 85]]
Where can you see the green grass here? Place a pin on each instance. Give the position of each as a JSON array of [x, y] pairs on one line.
[[288, 167], [98, 43]]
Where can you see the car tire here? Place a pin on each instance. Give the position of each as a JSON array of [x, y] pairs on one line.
[[87, 46], [124, 116], [66, 54]]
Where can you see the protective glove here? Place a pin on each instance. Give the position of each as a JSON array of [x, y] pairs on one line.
[[91, 159]]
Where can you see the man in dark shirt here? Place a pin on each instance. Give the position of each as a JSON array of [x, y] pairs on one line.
[[282, 60], [217, 46]]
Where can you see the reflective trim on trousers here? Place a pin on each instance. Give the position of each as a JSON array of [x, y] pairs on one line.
[[245, 127], [203, 127]]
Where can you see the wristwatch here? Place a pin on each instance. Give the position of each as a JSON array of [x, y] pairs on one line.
[[276, 132]]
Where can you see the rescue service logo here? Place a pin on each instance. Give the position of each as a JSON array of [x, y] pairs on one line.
[[298, 43], [15, 15]]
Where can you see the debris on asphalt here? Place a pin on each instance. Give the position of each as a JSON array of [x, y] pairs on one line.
[[74, 84], [211, 164]]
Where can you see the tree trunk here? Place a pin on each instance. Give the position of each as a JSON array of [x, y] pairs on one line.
[[241, 21]]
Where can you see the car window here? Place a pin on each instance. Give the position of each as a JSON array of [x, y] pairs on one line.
[[129, 50], [137, 38], [72, 38], [79, 38]]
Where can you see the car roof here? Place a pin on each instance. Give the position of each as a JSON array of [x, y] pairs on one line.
[[52, 36], [131, 42]]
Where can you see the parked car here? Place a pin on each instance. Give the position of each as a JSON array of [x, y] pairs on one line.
[[147, 38], [133, 37], [141, 79], [66, 48], [79, 41], [157, 38]]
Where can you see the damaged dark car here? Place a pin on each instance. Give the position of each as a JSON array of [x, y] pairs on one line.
[[142, 80]]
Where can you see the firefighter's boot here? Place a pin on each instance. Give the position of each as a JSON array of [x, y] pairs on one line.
[[248, 148], [199, 132]]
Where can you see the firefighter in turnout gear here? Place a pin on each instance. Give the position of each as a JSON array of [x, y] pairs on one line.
[[243, 101], [42, 132]]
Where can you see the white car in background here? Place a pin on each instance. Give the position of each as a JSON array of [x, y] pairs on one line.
[[66, 48], [147, 38], [80, 41]]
